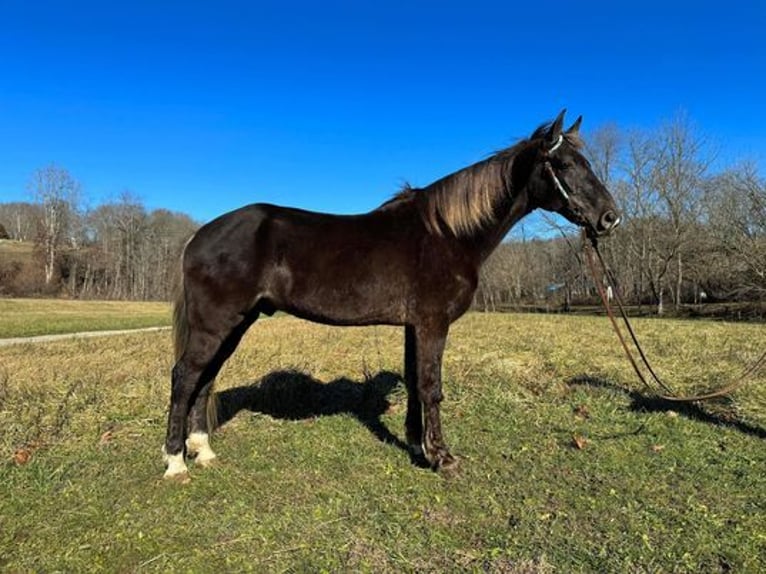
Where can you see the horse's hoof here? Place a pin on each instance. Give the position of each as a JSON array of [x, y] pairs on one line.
[[448, 466], [177, 477], [205, 461], [198, 448], [175, 467], [418, 457]]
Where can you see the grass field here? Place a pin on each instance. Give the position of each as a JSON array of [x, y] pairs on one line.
[[16, 250], [29, 317], [565, 465]]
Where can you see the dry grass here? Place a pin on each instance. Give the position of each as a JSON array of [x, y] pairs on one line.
[[10, 249], [313, 478]]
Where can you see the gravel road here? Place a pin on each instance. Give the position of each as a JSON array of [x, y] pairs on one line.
[[85, 334]]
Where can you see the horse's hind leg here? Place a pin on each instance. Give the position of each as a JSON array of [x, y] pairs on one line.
[[203, 416], [187, 374], [201, 424], [205, 352]]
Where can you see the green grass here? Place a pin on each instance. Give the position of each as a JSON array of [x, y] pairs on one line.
[[29, 317], [305, 484]]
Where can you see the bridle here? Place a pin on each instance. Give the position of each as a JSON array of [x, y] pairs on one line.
[[549, 170], [600, 276], [561, 187], [557, 183]]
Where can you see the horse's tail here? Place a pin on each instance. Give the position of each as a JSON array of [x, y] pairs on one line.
[[181, 340]]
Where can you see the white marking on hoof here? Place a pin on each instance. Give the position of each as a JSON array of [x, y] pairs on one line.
[[176, 467], [198, 444]]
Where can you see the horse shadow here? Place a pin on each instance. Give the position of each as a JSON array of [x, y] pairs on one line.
[[725, 417], [293, 395]]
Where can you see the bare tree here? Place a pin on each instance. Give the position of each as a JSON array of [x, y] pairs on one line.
[[661, 195], [134, 254], [681, 165], [20, 220], [58, 194], [632, 193], [602, 147], [736, 216]]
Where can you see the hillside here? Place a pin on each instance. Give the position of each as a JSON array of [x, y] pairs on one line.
[[11, 250], [18, 268]]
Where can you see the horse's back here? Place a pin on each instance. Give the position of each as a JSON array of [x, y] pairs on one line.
[[340, 269], [346, 269]]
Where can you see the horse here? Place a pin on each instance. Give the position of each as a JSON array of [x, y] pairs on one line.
[[412, 262]]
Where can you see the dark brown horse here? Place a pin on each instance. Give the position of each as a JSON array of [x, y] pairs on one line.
[[414, 261]]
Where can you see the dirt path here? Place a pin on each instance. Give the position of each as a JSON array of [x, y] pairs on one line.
[[84, 334]]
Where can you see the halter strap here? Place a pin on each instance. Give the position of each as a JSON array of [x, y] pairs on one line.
[[558, 143], [556, 180]]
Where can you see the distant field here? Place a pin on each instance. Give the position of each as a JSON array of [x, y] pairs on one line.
[[28, 317], [21, 252], [16, 249], [566, 465]]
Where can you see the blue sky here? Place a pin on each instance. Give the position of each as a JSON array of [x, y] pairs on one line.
[[203, 107]]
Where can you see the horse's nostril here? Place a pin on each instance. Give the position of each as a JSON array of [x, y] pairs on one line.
[[609, 220]]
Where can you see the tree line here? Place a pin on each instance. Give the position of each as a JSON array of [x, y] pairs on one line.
[[117, 250], [691, 233]]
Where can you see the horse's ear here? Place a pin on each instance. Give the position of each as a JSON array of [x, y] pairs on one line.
[[574, 129], [554, 132]]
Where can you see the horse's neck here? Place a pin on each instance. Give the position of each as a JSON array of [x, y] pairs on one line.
[[508, 213], [513, 206]]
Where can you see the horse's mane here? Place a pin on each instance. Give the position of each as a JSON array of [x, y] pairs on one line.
[[465, 201]]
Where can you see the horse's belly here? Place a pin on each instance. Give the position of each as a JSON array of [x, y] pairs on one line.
[[345, 302]]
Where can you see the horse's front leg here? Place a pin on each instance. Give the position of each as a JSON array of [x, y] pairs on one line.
[[413, 423], [430, 341]]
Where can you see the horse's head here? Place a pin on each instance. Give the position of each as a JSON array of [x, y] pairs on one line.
[[562, 180]]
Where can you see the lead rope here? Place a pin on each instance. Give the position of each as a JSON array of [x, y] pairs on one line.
[[590, 246]]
